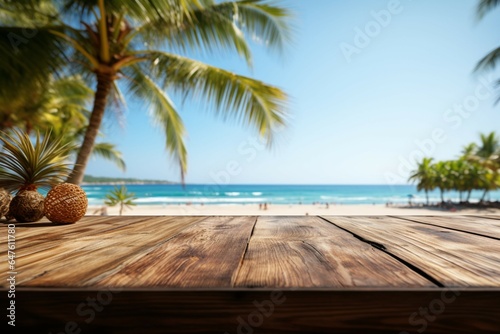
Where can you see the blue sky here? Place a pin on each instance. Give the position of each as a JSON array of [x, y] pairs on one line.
[[360, 116]]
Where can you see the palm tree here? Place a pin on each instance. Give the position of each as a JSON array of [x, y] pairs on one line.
[[489, 148], [46, 106], [487, 156], [135, 42], [57, 108], [457, 176], [443, 177], [425, 177], [120, 196], [469, 150]]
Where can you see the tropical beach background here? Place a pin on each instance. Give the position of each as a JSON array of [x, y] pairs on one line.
[[345, 107]]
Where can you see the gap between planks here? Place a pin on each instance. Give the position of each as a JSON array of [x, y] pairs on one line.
[[382, 248], [308, 252], [237, 272], [422, 220], [455, 258]]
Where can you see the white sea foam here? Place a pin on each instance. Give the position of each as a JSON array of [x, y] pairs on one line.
[[196, 192], [177, 200]]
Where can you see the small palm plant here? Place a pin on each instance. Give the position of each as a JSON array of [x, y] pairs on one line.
[[120, 196], [25, 167]]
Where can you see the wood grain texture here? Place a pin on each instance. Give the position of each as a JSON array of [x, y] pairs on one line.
[[309, 252], [453, 258], [488, 216], [489, 228], [74, 255], [209, 252], [206, 255], [233, 312]]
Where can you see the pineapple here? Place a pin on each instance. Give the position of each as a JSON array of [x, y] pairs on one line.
[[65, 203], [4, 202], [25, 167]]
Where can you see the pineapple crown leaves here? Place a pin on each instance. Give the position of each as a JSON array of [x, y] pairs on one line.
[[27, 166]]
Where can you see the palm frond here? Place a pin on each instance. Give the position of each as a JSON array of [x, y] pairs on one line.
[[28, 57], [109, 152], [164, 112], [260, 19], [489, 61], [72, 90], [28, 13], [117, 105], [248, 100], [485, 6], [223, 26], [207, 30], [24, 164], [139, 10]]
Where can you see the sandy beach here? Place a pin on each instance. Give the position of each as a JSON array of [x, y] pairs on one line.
[[285, 210]]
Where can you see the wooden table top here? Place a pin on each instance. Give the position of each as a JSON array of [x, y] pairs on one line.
[[331, 252], [225, 275]]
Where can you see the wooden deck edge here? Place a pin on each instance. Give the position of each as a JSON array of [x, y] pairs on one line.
[[258, 311], [492, 289]]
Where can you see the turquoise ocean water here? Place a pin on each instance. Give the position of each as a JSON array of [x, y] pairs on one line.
[[274, 194]]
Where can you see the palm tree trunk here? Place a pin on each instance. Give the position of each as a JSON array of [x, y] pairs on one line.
[[121, 208], [468, 196], [427, 197], [104, 84], [484, 195], [442, 195]]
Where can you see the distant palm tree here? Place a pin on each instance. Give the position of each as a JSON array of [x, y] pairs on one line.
[[443, 177], [485, 157], [469, 150], [457, 176], [120, 196], [489, 147], [138, 42], [425, 176]]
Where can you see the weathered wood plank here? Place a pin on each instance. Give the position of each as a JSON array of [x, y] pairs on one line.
[[497, 217], [35, 237], [309, 252], [256, 311], [74, 262], [485, 227], [451, 257], [207, 255]]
